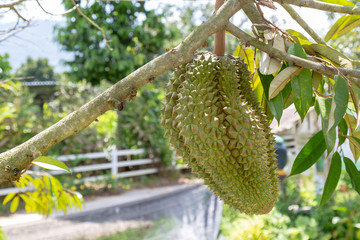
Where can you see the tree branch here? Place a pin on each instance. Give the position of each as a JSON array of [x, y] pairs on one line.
[[322, 6], [17, 159], [318, 67], [11, 4], [92, 23], [303, 24], [57, 14]]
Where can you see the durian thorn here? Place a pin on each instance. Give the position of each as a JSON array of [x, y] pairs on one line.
[[219, 44]]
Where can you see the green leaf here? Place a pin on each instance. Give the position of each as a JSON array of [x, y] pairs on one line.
[[343, 129], [309, 154], [50, 163], [282, 79], [324, 107], [302, 90], [342, 26], [353, 173], [8, 198], [332, 55], [297, 50], [339, 102], [317, 77], [276, 106], [14, 204], [332, 178], [351, 123]]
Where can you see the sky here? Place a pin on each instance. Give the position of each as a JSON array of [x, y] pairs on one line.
[[37, 41]]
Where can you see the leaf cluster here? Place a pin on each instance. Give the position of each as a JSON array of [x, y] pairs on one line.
[[48, 194]]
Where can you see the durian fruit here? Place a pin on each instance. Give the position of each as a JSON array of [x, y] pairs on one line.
[[212, 118]]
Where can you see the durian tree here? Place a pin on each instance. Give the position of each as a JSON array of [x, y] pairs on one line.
[[218, 108]]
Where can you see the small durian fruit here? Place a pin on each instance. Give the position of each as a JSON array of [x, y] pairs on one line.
[[213, 120]]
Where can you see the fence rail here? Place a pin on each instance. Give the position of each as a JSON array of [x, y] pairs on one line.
[[113, 165]]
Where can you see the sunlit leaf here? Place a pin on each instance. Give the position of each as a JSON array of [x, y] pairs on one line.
[[316, 79], [282, 79], [270, 65], [309, 154], [332, 178], [8, 198], [339, 102], [353, 173], [351, 123], [50, 163], [332, 55], [342, 26], [14, 204], [339, 2]]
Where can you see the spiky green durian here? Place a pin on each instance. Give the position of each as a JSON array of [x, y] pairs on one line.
[[213, 120]]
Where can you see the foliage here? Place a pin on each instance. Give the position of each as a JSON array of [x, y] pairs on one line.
[[146, 131], [297, 216], [19, 116], [39, 69], [335, 99], [2, 235], [48, 194], [135, 34], [4, 66]]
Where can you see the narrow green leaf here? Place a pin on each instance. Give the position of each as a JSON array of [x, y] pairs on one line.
[[339, 102], [8, 198], [353, 173], [317, 77], [342, 26], [351, 123], [302, 89], [354, 94], [309, 154], [339, 2], [276, 106], [50, 163], [14, 204], [323, 106], [331, 54], [343, 131], [297, 50], [282, 79], [332, 178], [266, 81]]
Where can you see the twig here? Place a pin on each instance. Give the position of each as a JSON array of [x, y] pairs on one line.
[[301, 62], [57, 14], [322, 6], [9, 5], [12, 33], [303, 24], [92, 23], [18, 14], [270, 23]]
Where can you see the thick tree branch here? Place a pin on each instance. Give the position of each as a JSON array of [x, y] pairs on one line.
[[15, 160], [322, 6], [303, 24], [318, 67]]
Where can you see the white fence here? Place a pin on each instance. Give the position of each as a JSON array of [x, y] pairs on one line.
[[113, 165]]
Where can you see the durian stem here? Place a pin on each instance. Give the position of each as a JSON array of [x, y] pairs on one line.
[[219, 44]]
